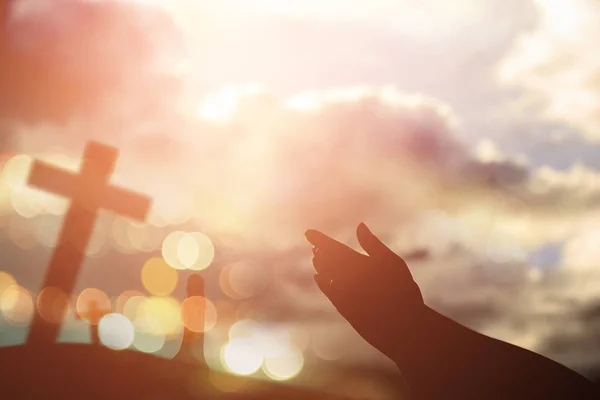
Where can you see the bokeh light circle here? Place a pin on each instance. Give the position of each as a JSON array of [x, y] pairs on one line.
[[116, 331], [243, 329], [170, 249], [160, 316], [242, 356], [326, 345], [132, 305], [184, 250], [92, 297], [158, 277], [147, 342], [226, 312], [198, 314], [123, 298], [16, 169], [284, 366], [242, 280], [196, 251], [53, 304], [6, 281], [17, 305]]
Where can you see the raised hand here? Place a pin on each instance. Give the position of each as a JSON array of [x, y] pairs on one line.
[[439, 358], [375, 292]]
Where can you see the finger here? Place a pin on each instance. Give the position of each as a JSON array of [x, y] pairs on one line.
[[393, 265], [322, 266], [344, 267], [373, 246], [326, 243]]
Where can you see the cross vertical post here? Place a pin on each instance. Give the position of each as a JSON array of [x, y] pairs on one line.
[[90, 191], [93, 316], [192, 343]]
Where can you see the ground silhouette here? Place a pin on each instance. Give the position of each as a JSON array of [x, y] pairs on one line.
[[82, 371]]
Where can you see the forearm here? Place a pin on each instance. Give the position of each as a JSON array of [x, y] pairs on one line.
[[445, 360]]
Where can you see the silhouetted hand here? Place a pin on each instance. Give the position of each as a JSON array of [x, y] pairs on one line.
[[438, 357], [375, 293]]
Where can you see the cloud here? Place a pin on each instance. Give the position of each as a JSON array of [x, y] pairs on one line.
[[254, 170], [327, 159], [557, 65], [578, 186], [61, 59], [324, 159], [566, 331]]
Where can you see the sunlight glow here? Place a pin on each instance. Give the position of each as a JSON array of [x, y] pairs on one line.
[[429, 18], [556, 63], [222, 106]]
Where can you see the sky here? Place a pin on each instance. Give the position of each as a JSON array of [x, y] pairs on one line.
[[468, 131]]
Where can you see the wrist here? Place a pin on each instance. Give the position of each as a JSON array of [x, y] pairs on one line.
[[410, 338]]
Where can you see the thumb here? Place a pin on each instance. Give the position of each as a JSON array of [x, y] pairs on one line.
[[372, 245]]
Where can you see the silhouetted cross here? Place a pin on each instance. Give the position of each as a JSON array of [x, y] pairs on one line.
[[89, 192], [93, 316]]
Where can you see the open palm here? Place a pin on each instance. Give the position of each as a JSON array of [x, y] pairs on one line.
[[375, 293]]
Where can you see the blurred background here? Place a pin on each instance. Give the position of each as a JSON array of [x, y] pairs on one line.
[[464, 133]]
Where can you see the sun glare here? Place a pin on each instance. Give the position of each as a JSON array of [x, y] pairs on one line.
[[222, 105]]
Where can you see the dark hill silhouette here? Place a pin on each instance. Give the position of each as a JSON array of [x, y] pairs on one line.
[[81, 371]]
